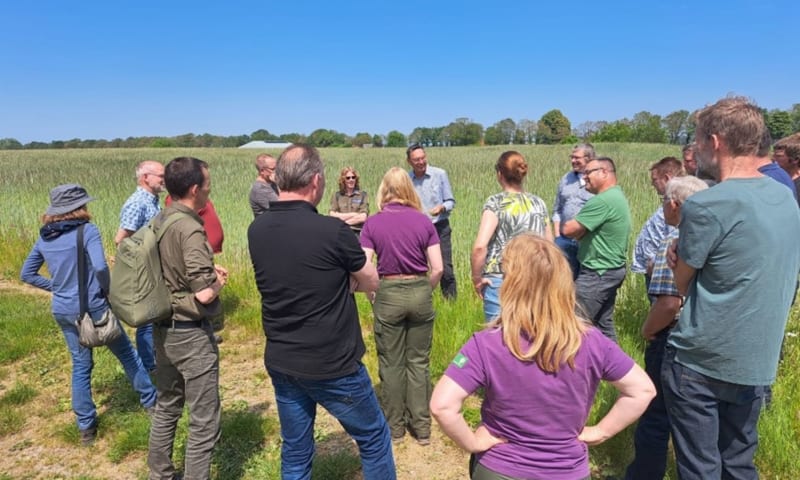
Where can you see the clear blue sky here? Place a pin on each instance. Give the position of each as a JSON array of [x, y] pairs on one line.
[[92, 69]]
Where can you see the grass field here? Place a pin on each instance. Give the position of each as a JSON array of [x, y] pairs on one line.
[[108, 175]]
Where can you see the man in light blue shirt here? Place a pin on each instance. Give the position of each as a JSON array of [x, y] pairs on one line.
[[433, 188], [655, 229], [137, 211], [570, 197]]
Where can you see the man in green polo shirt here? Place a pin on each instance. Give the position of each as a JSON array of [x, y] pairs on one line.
[[602, 228]]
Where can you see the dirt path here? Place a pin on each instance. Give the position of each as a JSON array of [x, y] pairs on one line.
[[33, 454]]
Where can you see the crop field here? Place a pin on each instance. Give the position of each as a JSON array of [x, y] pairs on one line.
[[27, 177]]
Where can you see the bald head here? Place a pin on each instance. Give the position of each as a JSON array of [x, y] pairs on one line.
[[297, 167]]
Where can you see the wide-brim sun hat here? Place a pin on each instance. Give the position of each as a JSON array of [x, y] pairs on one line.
[[66, 198]]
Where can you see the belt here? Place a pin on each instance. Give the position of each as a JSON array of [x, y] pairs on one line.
[[181, 324], [401, 276]]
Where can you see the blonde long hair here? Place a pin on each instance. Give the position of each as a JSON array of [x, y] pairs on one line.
[[396, 187], [538, 302]]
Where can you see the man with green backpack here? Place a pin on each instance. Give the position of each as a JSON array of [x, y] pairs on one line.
[[187, 356]]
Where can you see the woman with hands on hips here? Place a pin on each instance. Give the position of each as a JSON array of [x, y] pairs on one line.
[[540, 366]]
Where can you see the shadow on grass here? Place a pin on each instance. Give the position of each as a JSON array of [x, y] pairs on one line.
[[337, 458], [245, 431]]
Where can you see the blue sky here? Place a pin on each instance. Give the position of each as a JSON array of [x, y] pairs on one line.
[[93, 69]]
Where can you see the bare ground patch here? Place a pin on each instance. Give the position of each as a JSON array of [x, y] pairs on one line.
[[38, 451]]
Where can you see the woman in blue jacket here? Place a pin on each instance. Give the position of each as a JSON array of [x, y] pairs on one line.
[[57, 246]]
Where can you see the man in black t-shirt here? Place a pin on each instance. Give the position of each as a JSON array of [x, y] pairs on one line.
[[307, 267]]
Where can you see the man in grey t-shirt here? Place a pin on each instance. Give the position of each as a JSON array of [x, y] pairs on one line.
[[265, 190], [736, 261]]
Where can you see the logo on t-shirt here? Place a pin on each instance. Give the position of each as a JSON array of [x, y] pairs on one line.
[[460, 360]]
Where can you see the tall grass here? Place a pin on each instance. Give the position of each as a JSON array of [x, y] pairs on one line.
[[108, 175]]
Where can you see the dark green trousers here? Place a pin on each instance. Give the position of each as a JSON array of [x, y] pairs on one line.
[[403, 330]]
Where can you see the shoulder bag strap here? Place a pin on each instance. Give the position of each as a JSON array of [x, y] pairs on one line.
[[82, 293]]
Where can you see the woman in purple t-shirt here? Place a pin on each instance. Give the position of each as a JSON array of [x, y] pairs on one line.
[[406, 243], [540, 365]]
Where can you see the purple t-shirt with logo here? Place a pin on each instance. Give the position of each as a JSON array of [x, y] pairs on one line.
[[540, 414], [400, 235]]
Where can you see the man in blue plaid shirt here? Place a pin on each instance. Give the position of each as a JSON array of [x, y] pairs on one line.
[[652, 432]]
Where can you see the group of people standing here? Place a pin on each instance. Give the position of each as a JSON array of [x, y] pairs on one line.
[[719, 265], [180, 354]]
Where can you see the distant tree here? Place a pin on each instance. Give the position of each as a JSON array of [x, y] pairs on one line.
[[675, 126], [187, 140], [424, 136], [293, 138], [263, 135], [519, 137], [618, 131], [779, 123], [493, 136], [163, 142], [395, 139], [587, 129], [10, 144], [795, 113], [322, 137], [37, 145], [570, 139], [377, 140], [501, 133], [463, 131], [361, 139], [646, 128], [552, 128], [528, 129]]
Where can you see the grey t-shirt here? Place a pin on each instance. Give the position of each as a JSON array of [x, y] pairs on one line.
[[261, 195], [741, 237]]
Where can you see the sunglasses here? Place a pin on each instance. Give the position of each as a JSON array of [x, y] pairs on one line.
[[350, 177]]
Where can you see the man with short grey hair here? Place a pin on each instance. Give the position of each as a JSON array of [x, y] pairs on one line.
[[570, 197], [264, 190], [139, 209], [651, 438], [306, 277], [736, 261]]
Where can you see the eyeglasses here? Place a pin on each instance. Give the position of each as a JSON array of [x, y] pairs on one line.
[[159, 175], [586, 173], [576, 157], [350, 177]]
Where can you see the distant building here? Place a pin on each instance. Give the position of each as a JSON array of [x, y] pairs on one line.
[[262, 144]]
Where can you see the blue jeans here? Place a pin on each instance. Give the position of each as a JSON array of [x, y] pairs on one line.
[[144, 346], [491, 297], [570, 249], [651, 439], [83, 363], [352, 401], [714, 423]]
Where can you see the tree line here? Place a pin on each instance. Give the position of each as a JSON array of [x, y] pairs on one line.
[[552, 128]]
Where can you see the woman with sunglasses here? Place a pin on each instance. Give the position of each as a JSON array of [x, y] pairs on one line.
[[350, 203]]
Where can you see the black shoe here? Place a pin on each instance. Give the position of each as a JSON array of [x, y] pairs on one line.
[[88, 436]]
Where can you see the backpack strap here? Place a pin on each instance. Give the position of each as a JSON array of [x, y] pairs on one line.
[[160, 227]]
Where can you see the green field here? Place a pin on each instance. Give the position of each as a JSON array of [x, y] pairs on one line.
[[108, 175]]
